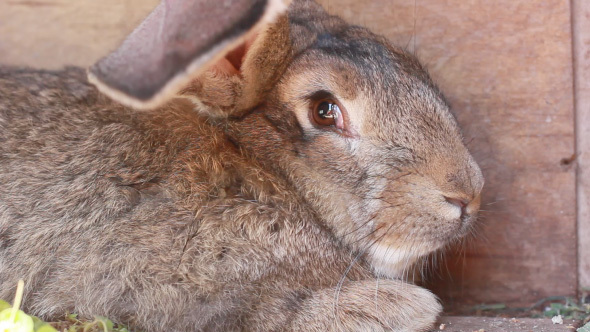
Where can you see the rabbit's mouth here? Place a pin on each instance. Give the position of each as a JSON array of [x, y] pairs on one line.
[[420, 225]]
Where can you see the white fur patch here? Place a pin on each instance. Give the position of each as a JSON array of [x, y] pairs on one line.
[[392, 262], [449, 211]]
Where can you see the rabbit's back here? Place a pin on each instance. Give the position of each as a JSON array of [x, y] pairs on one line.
[[90, 189], [68, 153]]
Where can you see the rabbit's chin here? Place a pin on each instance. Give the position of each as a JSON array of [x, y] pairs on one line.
[[397, 262]]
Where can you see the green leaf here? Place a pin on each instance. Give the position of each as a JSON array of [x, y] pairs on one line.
[[106, 323], [21, 322], [557, 306], [46, 328], [41, 326], [550, 313], [4, 305], [585, 328]]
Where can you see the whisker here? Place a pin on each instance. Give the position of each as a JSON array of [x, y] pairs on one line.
[[339, 287]]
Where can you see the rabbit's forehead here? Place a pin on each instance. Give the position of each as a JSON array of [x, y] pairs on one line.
[[385, 90], [415, 113]]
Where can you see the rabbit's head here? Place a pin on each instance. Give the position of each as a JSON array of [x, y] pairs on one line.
[[351, 122]]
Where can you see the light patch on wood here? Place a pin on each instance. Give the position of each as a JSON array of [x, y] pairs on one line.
[[54, 33], [581, 17]]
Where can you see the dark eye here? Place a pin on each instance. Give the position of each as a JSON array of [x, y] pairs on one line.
[[327, 113]]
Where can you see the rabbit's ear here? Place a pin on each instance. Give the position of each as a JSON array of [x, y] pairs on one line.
[[175, 43]]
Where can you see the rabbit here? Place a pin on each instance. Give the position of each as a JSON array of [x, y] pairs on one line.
[[281, 171]]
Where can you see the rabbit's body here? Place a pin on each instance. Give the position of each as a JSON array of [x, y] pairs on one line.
[[153, 233], [246, 211]]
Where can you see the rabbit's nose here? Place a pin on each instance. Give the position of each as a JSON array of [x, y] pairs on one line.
[[466, 206], [461, 203]]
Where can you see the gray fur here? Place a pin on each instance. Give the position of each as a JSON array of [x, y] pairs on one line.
[[234, 214]]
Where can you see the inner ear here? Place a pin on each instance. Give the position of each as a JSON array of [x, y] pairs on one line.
[[232, 62], [236, 57]]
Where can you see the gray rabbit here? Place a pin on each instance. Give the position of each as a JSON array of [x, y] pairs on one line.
[[286, 172]]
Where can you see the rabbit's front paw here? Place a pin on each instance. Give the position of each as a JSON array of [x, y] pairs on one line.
[[370, 305], [414, 308]]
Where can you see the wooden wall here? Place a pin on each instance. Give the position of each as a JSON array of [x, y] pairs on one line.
[[506, 68], [53, 33], [581, 17]]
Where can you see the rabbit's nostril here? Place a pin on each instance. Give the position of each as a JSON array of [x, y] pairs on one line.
[[461, 203]]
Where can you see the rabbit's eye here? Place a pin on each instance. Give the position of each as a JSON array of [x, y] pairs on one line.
[[327, 113]]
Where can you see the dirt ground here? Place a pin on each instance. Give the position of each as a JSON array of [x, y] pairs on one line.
[[498, 324]]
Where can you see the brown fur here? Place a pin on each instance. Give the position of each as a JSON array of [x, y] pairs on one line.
[[241, 216]]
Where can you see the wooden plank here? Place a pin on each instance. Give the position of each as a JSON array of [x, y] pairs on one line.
[[581, 17], [491, 324], [53, 33], [506, 67]]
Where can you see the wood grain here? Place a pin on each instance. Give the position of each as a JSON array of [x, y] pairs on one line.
[[506, 68], [53, 33], [581, 17]]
